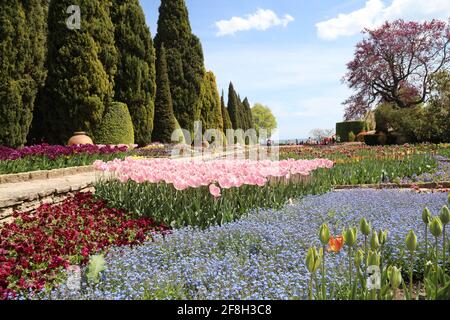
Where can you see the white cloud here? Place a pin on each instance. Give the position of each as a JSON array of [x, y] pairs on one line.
[[376, 12], [260, 20], [300, 83]]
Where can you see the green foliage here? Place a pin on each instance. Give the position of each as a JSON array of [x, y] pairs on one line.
[[165, 122], [97, 264], [435, 126], [372, 139], [81, 68], [248, 118], [425, 123], [38, 163], [196, 207], [263, 118], [390, 276], [351, 137], [184, 60], [210, 104], [343, 129], [225, 115], [405, 122], [375, 171], [234, 107], [135, 81], [22, 50], [116, 126]]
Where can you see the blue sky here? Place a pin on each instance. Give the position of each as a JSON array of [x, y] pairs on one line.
[[291, 54]]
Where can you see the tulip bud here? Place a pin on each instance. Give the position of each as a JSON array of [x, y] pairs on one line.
[[324, 234], [359, 256], [395, 277], [350, 236], [411, 241], [373, 258], [374, 241], [426, 216], [364, 226], [436, 227], [445, 215], [314, 259], [382, 237]]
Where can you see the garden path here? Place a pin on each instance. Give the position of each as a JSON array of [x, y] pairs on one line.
[[28, 195]]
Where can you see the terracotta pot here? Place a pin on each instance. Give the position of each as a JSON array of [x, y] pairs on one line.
[[79, 138]]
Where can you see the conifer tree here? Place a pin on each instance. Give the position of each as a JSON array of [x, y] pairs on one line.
[[164, 123], [225, 116], [248, 114], [23, 26], [242, 118], [234, 108], [82, 64], [135, 81], [185, 60], [210, 105]]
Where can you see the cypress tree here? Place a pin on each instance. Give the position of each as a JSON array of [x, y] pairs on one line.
[[184, 60], [135, 81], [210, 106], [248, 114], [165, 122], [22, 72], [242, 117], [234, 108], [81, 68], [225, 116]]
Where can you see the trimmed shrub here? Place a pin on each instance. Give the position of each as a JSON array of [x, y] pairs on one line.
[[343, 129], [116, 127], [351, 137], [376, 139], [372, 139]]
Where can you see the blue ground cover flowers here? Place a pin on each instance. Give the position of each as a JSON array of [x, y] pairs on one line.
[[259, 257]]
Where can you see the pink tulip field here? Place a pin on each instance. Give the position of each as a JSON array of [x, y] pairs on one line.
[[202, 193]]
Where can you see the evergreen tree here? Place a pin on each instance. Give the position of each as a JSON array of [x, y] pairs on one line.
[[225, 116], [210, 106], [22, 72], [135, 79], [248, 114], [234, 108], [242, 117], [81, 68], [165, 122], [184, 60]]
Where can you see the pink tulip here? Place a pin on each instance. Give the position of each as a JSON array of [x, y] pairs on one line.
[[195, 174], [215, 191]]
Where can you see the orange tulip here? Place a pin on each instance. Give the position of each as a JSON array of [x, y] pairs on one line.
[[336, 244]]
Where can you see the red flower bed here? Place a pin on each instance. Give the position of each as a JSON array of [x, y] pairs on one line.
[[35, 248]]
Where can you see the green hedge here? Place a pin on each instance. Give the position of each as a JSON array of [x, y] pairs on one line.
[[343, 129], [116, 126]]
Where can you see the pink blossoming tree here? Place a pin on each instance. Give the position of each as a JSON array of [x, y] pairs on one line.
[[395, 63]]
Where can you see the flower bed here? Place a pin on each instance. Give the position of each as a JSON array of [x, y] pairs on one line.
[[261, 256], [35, 248], [355, 153], [47, 157], [199, 193]]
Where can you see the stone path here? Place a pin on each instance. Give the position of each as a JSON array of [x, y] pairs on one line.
[[28, 195]]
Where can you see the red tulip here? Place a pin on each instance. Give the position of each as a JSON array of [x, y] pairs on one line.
[[336, 244]]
